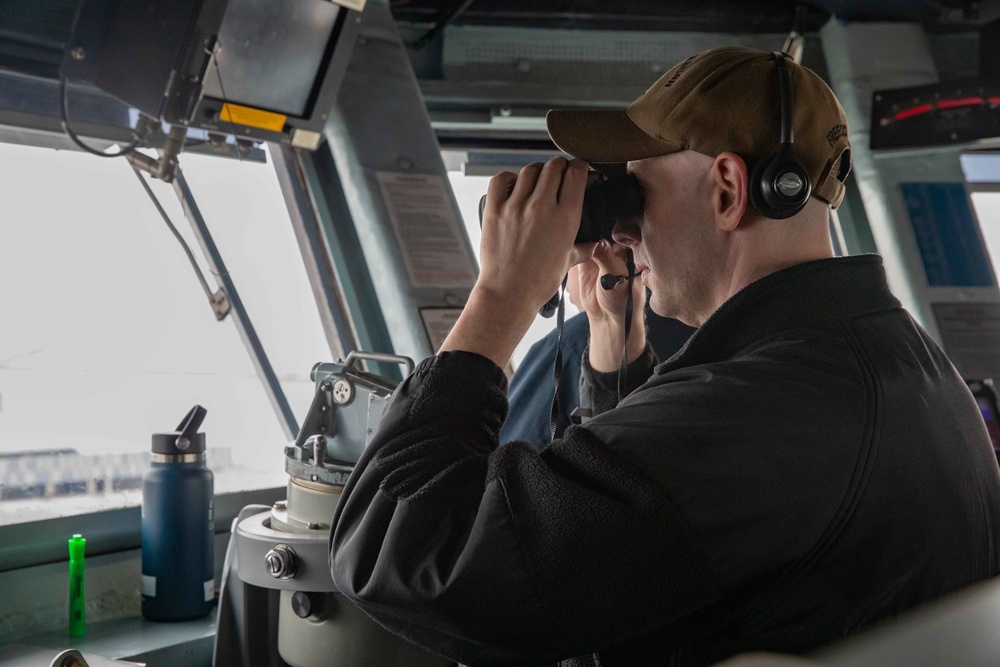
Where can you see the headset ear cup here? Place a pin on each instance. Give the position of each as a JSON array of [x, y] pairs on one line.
[[793, 206], [755, 187], [763, 193], [779, 186]]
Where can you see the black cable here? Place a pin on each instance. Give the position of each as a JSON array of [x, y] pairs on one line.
[[800, 10], [795, 36], [64, 117], [177, 234], [225, 98], [439, 26], [557, 371], [623, 371]]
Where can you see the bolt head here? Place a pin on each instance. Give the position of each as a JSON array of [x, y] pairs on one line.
[[79, 53], [280, 562]]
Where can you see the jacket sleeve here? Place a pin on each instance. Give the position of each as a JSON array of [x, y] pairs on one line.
[[502, 555], [599, 391]]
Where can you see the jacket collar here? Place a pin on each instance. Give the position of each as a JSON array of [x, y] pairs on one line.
[[799, 296]]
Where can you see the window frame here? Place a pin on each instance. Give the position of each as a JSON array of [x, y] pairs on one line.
[[38, 542], [41, 542]]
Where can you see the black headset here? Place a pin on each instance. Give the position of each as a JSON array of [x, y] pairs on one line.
[[779, 186]]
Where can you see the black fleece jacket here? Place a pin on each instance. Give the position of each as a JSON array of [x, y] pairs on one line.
[[809, 463]]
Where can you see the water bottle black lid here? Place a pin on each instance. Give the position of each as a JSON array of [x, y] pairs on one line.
[[186, 439]]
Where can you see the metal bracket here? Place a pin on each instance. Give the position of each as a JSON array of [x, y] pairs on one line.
[[220, 304], [164, 167], [255, 538], [320, 417]]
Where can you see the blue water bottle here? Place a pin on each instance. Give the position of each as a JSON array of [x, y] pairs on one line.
[[177, 533]]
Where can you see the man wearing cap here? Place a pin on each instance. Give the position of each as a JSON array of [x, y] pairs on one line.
[[810, 463]]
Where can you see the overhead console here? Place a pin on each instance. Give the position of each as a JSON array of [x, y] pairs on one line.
[[255, 69]]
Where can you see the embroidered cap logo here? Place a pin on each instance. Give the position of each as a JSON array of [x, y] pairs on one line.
[[680, 70], [837, 132]]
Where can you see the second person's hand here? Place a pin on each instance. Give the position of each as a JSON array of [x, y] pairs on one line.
[[606, 308]]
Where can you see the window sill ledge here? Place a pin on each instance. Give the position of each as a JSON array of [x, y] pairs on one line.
[[133, 640]]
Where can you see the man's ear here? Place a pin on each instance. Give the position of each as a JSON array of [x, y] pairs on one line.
[[729, 193]]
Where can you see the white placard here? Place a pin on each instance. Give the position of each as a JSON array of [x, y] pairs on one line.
[[148, 586], [438, 323], [430, 237], [971, 336]]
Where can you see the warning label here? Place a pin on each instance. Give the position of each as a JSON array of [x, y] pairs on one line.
[[438, 323], [971, 336], [428, 230], [240, 115]]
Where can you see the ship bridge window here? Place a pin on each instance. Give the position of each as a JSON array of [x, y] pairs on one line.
[[982, 176], [107, 337], [981, 167], [987, 207]]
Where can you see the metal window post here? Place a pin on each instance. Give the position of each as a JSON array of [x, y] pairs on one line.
[[328, 290], [244, 326]]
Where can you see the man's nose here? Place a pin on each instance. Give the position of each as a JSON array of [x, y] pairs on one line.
[[626, 233]]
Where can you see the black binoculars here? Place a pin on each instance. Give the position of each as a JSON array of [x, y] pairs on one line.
[[608, 198]]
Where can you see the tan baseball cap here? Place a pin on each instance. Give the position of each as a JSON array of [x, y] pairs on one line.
[[726, 99]]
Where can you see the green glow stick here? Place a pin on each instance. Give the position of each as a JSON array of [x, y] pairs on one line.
[[77, 621]]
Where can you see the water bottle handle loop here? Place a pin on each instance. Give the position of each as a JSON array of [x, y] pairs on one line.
[[189, 426]]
